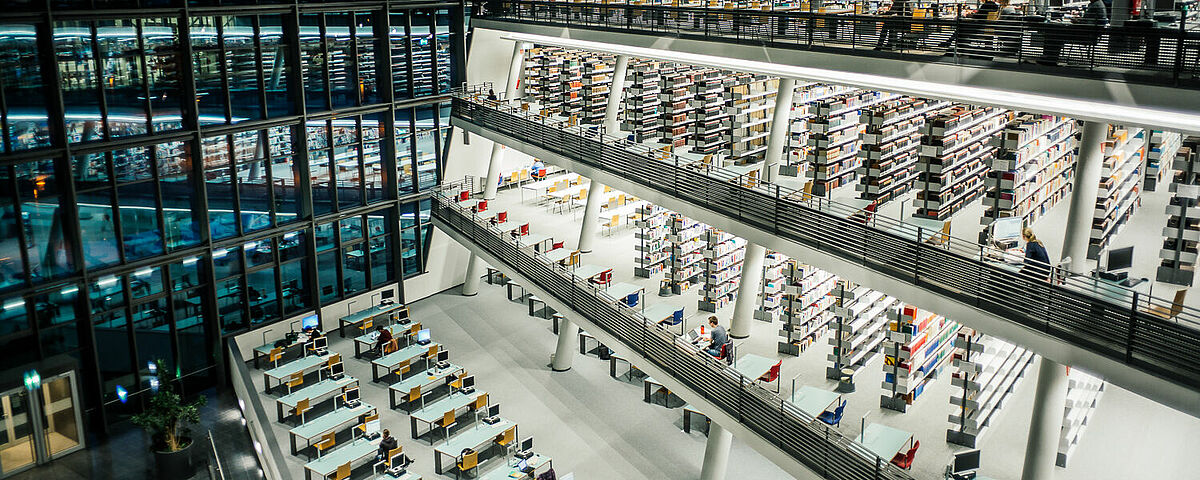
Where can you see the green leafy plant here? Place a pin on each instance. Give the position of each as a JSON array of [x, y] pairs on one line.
[[167, 416]]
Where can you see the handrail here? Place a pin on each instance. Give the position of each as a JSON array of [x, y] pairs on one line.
[[215, 472], [823, 450], [1104, 318], [1134, 53]]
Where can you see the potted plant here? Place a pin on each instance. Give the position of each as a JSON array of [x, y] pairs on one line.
[[166, 419]]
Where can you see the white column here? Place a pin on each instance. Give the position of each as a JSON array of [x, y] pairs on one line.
[[568, 338], [591, 211], [475, 266], [1049, 399], [747, 293], [716, 453], [781, 123], [1045, 424], [1083, 194]]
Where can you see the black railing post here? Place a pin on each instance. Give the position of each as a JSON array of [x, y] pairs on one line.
[[1133, 320]]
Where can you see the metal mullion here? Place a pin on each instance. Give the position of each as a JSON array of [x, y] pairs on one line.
[[224, 61], [360, 96], [433, 54], [4, 119], [275, 265], [235, 187], [458, 45], [256, 24], [118, 230], [291, 31], [145, 75], [323, 32], [412, 147], [172, 329], [362, 161], [383, 76], [408, 56], [98, 59], [439, 151], [121, 143], [85, 327], [331, 164], [11, 186]]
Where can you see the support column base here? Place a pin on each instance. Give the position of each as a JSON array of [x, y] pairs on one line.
[[563, 370], [742, 337]]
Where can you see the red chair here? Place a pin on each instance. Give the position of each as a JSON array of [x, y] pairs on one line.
[[481, 206], [502, 217], [905, 460], [558, 245], [524, 230], [463, 195], [772, 375], [602, 278], [723, 353]]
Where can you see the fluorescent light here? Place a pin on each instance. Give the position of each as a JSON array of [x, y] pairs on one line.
[[190, 261], [145, 272], [14, 303], [1161, 119]]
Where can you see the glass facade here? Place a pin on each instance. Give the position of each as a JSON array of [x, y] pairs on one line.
[[171, 179]]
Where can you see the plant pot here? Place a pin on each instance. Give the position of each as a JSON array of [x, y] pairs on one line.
[[177, 465]]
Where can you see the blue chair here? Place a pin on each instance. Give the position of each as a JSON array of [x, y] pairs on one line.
[[631, 300], [835, 417]]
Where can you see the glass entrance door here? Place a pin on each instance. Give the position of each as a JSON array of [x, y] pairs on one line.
[[17, 450], [39, 426]]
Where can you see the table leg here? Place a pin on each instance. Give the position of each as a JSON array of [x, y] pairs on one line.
[[357, 353], [687, 421], [413, 421], [391, 399], [374, 372], [293, 439], [437, 463], [646, 391], [612, 366], [342, 328], [279, 411]]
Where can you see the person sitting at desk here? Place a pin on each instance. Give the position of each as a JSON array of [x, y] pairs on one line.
[[719, 337], [1037, 261], [382, 337], [314, 333], [386, 445]]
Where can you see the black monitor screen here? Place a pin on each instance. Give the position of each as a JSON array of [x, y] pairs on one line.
[[966, 461], [1120, 259], [527, 444], [389, 293], [468, 382], [352, 394], [493, 410], [320, 343], [443, 356], [337, 369]]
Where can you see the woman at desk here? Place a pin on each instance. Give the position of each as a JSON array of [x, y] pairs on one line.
[[1037, 261]]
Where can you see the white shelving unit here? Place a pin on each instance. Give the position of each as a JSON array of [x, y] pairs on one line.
[[807, 300], [770, 296], [642, 115], [723, 255], [750, 106], [956, 142], [987, 372], [1182, 232], [1120, 186], [1032, 168], [1083, 394], [596, 82], [1163, 146], [708, 113], [834, 138], [653, 249], [859, 327], [686, 252], [919, 343], [675, 103]]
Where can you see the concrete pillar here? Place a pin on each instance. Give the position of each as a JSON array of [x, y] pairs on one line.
[[564, 353], [1083, 194], [716, 453], [475, 265], [1049, 399], [1045, 424], [747, 294], [781, 123], [591, 211]]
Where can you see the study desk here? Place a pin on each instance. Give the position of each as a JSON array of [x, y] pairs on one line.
[[753, 366], [392, 360], [539, 241], [505, 227], [302, 365], [353, 453], [511, 472], [647, 383], [326, 423], [814, 401], [588, 271], [431, 378], [314, 393], [659, 312], [622, 291], [368, 339], [358, 317], [688, 411], [264, 351], [884, 441], [432, 413], [558, 255], [473, 438], [544, 184]]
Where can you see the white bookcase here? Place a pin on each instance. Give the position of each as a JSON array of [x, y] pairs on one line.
[[919, 344], [808, 295], [722, 266], [987, 372], [1083, 394], [1120, 186], [859, 327]]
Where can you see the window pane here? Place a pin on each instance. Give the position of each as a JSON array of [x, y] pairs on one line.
[[291, 246], [255, 195], [354, 269], [343, 85], [106, 293], [13, 317], [230, 303], [207, 67], [21, 84], [124, 87], [351, 229], [285, 174], [404, 162], [426, 159], [327, 275], [227, 262], [295, 289], [259, 253], [397, 41], [219, 187], [275, 60], [312, 65], [153, 334], [131, 164], [77, 73], [365, 39], [408, 244], [422, 57], [174, 167], [90, 170], [12, 267], [242, 65], [49, 256], [185, 274], [382, 268], [112, 345], [96, 225], [263, 301], [372, 165], [146, 282], [139, 220], [190, 332], [325, 237], [160, 37]]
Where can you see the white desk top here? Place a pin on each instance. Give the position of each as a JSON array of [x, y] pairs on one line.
[[660, 311], [331, 421], [350, 452], [434, 411], [813, 401], [473, 437], [589, 270], [558, 254], [320, 389], [754, 366], [426, 379], [620, 290], [298, 366], [884, 441], [509, 471], [404, 354]]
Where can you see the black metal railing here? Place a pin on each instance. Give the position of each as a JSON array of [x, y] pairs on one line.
[[1099, 316], [1138, 51], [822, 449]]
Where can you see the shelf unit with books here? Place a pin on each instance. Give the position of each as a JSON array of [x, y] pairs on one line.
[[1120, 186], [723, 254], [675, 102], [750, 106], [1182, 233], [951, 165], [1032, 168], [641, 118], [859, 327], [889, 146], [804, 99], [653, 249], [770, 296], [919, 344], [833, 138], [595, 83], [1163, 146], [708, 113], [808, 295], [687, 243], [987, 370]]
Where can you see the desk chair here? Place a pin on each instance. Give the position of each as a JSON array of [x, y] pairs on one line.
[[772, 375], [414, 395], [362, 427], [391, 346], [431, 353], [337, 357], [343, 472], [482, 206], [327, 442], [448, 421], [274, 356], [557, 245], [481, 403], [603, 278], [507, 441], [466, 462], [500, 218], [464, 195], [833, 418], [403, 368], [1173, 311], [365, 327], [941, 238], [662, 390], [302, 407], [412, 333], [395, 459], [295, 380], [905, 460], [612, 223], [456, 384]]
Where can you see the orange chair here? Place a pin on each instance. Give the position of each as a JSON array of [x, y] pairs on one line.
[[480, 403], [274, 356], [343, 472], [1174, 310], [391, 346], [403, 368], [467, 462], [302, 407], [448, 422], [414, 395], [295, 380], [327, 442], [507, 440]]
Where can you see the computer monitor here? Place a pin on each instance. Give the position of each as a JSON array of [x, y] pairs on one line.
[[397, 459], [350, 395], [527, 444], [493, 410], [443, 356], [1007, 229], [966, 461], [423, 335], [310, 321], [337, 369], [373, 428], [321, 343], [1120, 259], [387, 294], [468, 382]]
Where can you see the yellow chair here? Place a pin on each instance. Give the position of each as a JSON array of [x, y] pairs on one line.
[[302, 407], [458, 381], [362, 427], [448, 422], [468, 461], [336, 358], [403, 368], [941, 238], [327, 442], [274, 356], [365, 326], [391, 346], [480, 403], [616, 220], [343, 472], [295, 380], [507, 440], [431, 353], [414, 395]]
